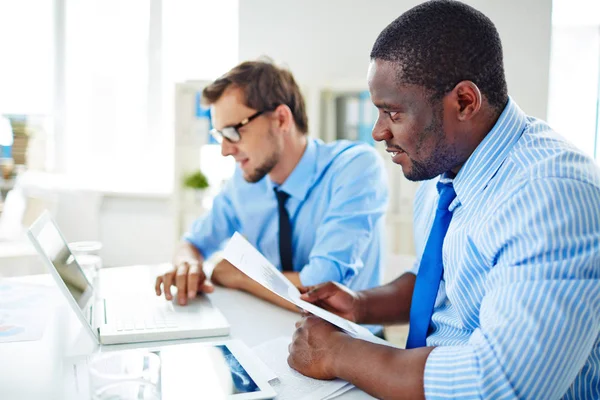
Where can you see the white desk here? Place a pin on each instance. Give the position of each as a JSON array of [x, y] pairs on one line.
[[39, 369]]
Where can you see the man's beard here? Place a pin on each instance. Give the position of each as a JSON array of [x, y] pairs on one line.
[[442, 160], [262, 170], [443, 157]]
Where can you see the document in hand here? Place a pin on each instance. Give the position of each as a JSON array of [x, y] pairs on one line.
[[250, 261]]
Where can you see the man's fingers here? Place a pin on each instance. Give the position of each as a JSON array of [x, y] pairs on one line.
[[290, 361], [304, 289], [159, 280], [320, 292], [167, 282], [181, 282], [207, 287], [193, 279]]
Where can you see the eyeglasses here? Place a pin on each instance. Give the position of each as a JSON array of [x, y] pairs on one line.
[[231, 133]]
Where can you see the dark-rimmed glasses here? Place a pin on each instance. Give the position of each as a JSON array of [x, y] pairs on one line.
[[231, 133]]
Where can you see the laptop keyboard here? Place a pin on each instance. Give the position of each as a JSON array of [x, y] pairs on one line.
[[136, 322], [144, 316]]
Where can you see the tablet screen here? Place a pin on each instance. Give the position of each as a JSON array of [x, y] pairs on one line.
[[241, 379]]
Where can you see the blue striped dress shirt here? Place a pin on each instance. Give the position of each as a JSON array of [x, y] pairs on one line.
[[517, 314]]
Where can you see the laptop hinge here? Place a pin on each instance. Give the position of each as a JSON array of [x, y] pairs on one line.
[[105, 320], [91, 314]]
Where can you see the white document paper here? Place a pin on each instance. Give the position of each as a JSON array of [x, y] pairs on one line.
[[24, 310], [292, 384], [247, 259], [339, 392]]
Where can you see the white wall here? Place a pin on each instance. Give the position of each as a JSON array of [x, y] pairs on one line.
[[136, 229], [326, 42]]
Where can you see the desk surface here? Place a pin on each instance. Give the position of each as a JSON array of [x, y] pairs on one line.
[[38, 369]]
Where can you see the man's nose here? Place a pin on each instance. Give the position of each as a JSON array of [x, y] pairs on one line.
[[381, 131], [227, 148]]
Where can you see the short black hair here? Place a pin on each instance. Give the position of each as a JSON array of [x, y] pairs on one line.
[[440, 43]]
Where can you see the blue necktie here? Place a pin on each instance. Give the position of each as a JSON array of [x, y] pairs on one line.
[[285, 232], [430, 271]]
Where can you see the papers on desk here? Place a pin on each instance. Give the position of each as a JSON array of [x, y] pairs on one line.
[[291, 384], [24, 310], [247, 259]]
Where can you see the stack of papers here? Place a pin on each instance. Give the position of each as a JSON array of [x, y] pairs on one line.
[[247, 259], [291, 384]]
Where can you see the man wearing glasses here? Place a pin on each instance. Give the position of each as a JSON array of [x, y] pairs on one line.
[[313, 209]]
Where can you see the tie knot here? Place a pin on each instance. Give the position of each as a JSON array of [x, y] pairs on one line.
[[447, 194], [281, 196]]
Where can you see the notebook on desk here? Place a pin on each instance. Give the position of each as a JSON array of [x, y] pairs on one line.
[[137, 316]]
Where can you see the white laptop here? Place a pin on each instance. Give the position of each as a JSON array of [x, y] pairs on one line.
[[136, 316]]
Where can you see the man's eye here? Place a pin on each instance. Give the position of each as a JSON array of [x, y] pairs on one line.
[[391, 114]]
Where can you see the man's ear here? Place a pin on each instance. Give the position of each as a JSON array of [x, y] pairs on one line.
[[284, 117], [468, 100]]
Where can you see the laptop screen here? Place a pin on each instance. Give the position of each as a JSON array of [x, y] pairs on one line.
[[56, 250]]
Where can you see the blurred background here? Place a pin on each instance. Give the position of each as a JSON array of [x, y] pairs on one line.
[[100, 120]]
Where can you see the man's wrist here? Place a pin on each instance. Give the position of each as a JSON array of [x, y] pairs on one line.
[[337, 360], [242, 282], [361, 307], [225, 274]]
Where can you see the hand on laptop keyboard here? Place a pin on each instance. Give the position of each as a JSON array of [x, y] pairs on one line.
[[187, 276]]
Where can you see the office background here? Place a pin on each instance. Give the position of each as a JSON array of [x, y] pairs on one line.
[[104, 91]]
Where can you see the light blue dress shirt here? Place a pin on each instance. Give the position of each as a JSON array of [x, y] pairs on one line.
[[338, 196], [518, 312]]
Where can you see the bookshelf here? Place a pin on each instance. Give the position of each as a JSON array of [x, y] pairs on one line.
[[345, 112], [191, 134], [195, 149]]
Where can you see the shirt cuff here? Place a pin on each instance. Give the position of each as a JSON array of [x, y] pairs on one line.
[[209, 264], [452, 372], [314, 274]]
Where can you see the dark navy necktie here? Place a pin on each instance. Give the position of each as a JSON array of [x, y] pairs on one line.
[[285, 232], [430, 272]]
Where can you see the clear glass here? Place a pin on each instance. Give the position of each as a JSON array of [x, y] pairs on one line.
[[127, 391], [131, 374], [87, 255]]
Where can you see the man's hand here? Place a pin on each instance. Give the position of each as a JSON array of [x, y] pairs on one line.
[[314, 346], [336, 298], [188, 277], [225, 274]]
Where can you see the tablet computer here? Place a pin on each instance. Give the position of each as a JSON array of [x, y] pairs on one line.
[[208, 370], [217, 370]]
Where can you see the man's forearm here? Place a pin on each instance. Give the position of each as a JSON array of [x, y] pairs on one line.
[[381, 371], [293, 277], [251, 286], [388, 304]]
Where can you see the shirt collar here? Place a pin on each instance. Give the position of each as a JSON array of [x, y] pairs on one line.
[[301, 179], [487, 158]]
